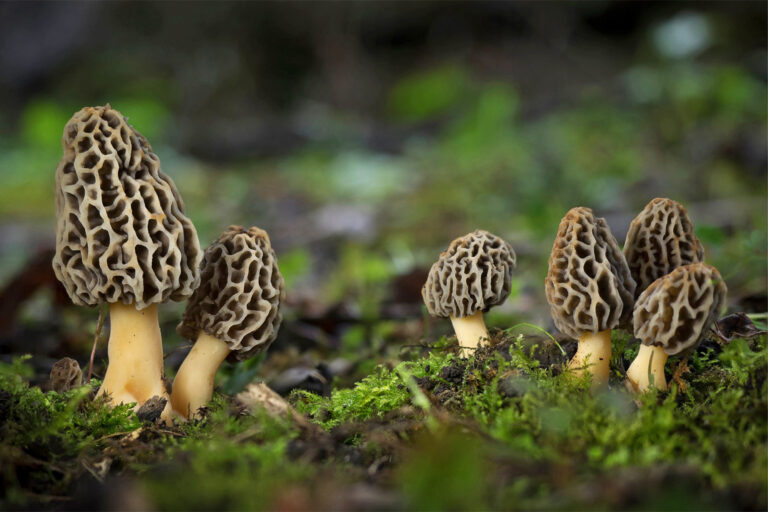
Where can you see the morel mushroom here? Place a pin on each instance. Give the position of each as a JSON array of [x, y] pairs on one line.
[[672, 316], [122, 238], [659, 240], [589, 289], [65, 375], [234, 313], [468, 279]]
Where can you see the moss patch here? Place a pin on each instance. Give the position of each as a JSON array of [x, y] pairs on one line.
[[504, 429]]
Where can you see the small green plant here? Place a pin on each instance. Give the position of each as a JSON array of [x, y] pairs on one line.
[[378, 393]]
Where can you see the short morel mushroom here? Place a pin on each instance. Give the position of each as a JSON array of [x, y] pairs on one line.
[[589, 289], [123, 239], [468, 279], [65, 375], [659, 240], [234, 313], [671, 316]]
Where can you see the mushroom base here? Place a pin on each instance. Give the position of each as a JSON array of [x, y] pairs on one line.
[[593, 356], [648, 366], [135, 371], [470, 331], [193, 385]]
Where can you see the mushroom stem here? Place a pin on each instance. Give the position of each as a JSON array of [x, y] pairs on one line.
[[193, 385], [135, 371], [593, 355], [470, 331], [649, 364]]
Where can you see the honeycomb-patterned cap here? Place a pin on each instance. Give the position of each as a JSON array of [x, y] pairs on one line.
[[588, 285], [659, 240], [474, 274], [675, 310], [122, 235], [65, 375], [240, 293]]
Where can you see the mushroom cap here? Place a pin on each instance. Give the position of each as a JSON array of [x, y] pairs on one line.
[[65, 375], [659, 240], [675, 310], [121, 233], [588, 285], [474, 274], [240, 293]]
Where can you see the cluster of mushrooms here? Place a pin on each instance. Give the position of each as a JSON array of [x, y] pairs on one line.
[[123, 239], [658, 288]]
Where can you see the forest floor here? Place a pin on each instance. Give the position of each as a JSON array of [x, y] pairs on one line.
[[505, 429]]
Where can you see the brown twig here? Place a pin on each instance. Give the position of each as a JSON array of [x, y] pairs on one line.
[[46, 497], [116, 434], [682, 368], [178, 349], [95, 342], [93, 473]]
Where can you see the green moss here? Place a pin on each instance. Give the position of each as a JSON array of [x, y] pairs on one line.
[[43, 434], [378, 393], [504, 429], [535, 416], [225, 462]]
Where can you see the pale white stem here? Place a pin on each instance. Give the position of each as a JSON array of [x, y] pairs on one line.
[[648, 369], [193, 385], [135, 371], [470, 331], [594, 356]]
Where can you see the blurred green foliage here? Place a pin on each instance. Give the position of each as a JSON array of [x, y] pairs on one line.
[[487, 166], [427, 94], [294, 265], [464, 483]]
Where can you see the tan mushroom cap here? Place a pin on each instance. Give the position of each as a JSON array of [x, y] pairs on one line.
[[659, 240], [675, 311], [473, 274], [240, 293], [588, 285], [122, 235]]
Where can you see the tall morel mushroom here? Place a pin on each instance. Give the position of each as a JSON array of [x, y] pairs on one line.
[[671, 316], [589, 289], [234, 313], [122, 238], [468, 279], [659, 240]]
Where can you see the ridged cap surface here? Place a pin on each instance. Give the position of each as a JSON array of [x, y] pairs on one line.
[[240, 294], [473, 274], [659, 240], [588, 285], [122, 235], [675, 311]]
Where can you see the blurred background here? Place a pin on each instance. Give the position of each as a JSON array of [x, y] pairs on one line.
[[364, 137]]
